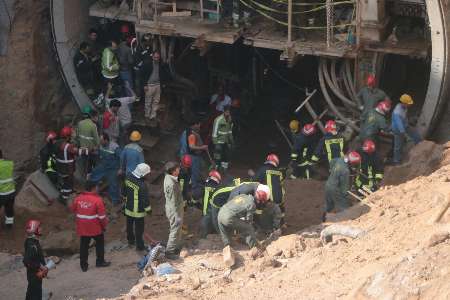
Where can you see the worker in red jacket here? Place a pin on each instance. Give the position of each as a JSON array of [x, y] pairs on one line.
[[91, 223]]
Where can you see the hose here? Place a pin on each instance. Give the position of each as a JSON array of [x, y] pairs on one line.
[[350, 81], [346, 84]]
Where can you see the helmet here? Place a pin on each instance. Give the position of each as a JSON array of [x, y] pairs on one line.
[[368, 146], [186, 161], [214, 175], [406, 99], [330, 127], [236, 103], [294, 125], [384, 106], [371, 80], [353, 157], [86, 110], [135, 136], [309, 129], [51, 135], [273, 160], [66, 132], [124, 28], [33, 227], [262, 193], [141, 170]]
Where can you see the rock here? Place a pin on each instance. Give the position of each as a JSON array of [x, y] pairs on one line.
[[289, 245], [269, 262], [252, 275], [195, 283], [228, 257], [65, 242], [437, 238], [184, 253]]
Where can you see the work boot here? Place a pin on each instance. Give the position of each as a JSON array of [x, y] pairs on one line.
[[172, 256], [84, 268], [103, 264]]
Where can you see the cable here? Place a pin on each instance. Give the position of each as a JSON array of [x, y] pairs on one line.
[[9, 15]]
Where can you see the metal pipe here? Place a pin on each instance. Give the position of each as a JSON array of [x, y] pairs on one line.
[[309, 96], [284, 134], [351, 80]]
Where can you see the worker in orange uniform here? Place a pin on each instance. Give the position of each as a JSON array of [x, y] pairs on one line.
[[91, 223], [195, 148]]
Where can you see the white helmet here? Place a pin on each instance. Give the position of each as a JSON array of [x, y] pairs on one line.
[[141, 170]]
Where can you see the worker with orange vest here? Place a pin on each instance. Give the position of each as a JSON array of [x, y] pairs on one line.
[[185, 178], [7, 189], [91, 223]]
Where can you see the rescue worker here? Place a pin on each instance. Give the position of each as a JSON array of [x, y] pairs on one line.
[[47, 157], [107, 167], [84, 69], [303, 149], [338, 183], [331, 144], [375, 122], [111, 122], [88, 139], [195, 148], [142, 60], [91, 223], [126, 61], [241, 206], [132, 154], [137, 205], [212, 183], [174, 209], [370, 96], [222, 137], [110, 63], [401, 128], [370, 172], [34, 260], [65, 162], [185, 178], [7, 189], [219, 101]]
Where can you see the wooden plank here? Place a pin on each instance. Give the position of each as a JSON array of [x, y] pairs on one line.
[[184, 13], [112, 12]]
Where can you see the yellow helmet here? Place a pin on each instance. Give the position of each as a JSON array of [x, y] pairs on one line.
[[294, 125], [135, 136], [406, 99]]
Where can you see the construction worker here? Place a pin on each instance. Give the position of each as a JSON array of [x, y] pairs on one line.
[[401, 128], [132, 154], [7, 189], [142, 61], [110, 63], [370, 96], [66, 152], [107, 167], [47, 157], [91, 223], [185, 178], [370, 172], [126, 61], [137, 205], [218, 199], [222, 137], [375, 122], [331, 144], [110, 122], [212, 183], [338, 183], [88, 139], [34, 260], [241, 206], [174, 209], [195, 148], [305, 142], [84, 69]]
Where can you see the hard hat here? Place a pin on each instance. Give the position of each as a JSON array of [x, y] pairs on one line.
[[353, 157], [124, 28], [294, 125], [371, 80], [330, 127], [66, 132], [86, 110], [135, 136], [406, 99], [215, 175], [33, 227], [309, 129], [51, 135], [368, 146], [273, 160], [236, 103], [186, 161], [262, 193], [141, 170], [384, 106]]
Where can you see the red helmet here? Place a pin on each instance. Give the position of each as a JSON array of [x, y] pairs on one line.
[[66, 132], [214, 175], [309, 129], [33, 227], [51, 135], [262, 193], [384, 106], [330, 127], [354, 158], [273, 159], [124, 28], [186, 161], [371, 81], [368, 146]]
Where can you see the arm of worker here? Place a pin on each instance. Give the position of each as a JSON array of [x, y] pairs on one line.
[[319, 150], [146, 198], [101, 213]]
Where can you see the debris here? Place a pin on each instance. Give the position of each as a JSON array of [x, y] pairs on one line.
[[195, 283], [166, 269], [63, 242], [228, 257], [184, 253], [254, 253], [438, 238], [327, 234]]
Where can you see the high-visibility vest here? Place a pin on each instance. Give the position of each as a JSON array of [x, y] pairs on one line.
[[7, 185], [208, 192]]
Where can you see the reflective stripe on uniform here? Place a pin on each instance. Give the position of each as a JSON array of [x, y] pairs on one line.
[[135, 212], [269, 174], [7, 180], [338, 141], [208, 191], [66, 159], [9, 221], [91, 217], [8, 193], [86, 137]]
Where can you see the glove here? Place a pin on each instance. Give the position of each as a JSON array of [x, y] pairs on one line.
[[42, 273]]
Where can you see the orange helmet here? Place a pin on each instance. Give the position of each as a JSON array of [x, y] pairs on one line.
[[368, 146], [51, 135], [66, 132], [330, 127], [384, 106], [215, 175], [186, 161], [309, 129], [33, 227], [273, 160], [371, 80], [124, 28], [354, 158]]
